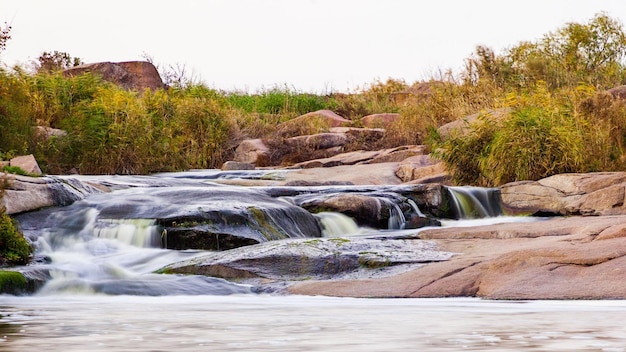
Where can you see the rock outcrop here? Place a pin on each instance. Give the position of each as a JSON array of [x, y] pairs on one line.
[[561, 258], [379, 120], [31, 193], [326, 118], [323, 258], [252, 151], [26, 163], [132, 75], [568, 194]]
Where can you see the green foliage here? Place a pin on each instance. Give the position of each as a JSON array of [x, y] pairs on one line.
[[542, 135], [14, 170], [12, 282], [278, 101], [14, 248], [56, 61], [591, 53], [558, 118]]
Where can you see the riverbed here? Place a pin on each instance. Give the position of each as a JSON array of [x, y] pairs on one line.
[[300, 323]]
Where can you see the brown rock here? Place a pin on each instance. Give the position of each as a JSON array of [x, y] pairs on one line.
[[132, 75], [45, 133], [27, 163], [463, 126], [236, 165], [379, 120], [252, 151], [327, 117], [398, 154], [416, 92], [419, 167], [561, 258], [618, 92], [568, 194], [318, 141]]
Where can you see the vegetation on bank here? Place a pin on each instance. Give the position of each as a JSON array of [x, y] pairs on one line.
[[558, 116], [14, 249]]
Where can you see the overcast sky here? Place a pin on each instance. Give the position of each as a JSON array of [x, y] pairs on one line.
[[310, 45]]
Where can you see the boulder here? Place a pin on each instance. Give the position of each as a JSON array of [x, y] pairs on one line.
[[379, 120], [398, 154], [44, 133], [31, 193], [561, 258], [322, 258], [252, 151], [416, 92], [27, 163], [601, 193], [236, 165], [618, 92], [317, 141], [391, 155], [463, 126], [209, 218], [132, 75], [419, 167], [324, 117]]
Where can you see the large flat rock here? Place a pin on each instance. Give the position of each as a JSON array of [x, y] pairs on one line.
[[560, 258]]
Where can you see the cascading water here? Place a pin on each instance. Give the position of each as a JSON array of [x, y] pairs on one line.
[[87, 255], [337, 224], [474, 202]]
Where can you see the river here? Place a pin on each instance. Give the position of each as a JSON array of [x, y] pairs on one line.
[[300, 323], [101, 294]]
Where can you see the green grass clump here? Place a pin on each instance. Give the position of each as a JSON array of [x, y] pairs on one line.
[[14, 249], [15, 170]]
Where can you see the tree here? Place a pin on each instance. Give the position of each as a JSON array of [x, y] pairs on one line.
[[56, 61], [5, 35]]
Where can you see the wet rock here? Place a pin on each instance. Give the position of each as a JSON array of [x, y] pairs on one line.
[[323, 258], [212, 218], [561, 258]]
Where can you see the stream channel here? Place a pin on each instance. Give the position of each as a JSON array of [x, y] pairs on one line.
[[97, 289]]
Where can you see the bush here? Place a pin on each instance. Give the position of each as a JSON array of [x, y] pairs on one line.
[[541, 136], [14, 249]]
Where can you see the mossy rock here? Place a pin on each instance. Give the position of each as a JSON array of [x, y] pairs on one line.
[[13, 282]]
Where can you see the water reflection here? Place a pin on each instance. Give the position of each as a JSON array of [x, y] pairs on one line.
[[296, 323]]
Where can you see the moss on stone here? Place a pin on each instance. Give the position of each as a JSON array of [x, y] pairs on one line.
[[12, 282]]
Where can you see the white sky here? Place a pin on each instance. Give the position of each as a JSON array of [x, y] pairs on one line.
[[310, 45]]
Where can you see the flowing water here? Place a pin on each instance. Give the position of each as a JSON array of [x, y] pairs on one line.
[[101, 293]]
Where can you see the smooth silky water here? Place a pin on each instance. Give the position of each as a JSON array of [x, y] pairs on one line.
[[103, 296]]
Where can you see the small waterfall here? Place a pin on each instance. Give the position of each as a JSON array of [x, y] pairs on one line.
[[397, 221], [415, 208], [337, 224], [135, 232], [474, 202]]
